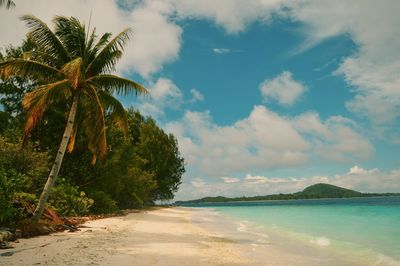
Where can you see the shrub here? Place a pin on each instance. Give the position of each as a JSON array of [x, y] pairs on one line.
[[67, 200], [102, 203], [11, 185]]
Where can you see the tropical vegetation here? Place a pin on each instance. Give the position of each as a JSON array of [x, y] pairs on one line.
[[60, 83], [7, 4]]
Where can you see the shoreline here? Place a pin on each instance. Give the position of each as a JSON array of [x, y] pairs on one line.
[[212, 203], [166, 236]]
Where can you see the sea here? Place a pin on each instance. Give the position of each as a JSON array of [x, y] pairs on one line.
[[352, 231]]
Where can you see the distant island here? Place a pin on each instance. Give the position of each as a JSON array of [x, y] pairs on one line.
[[317, 191]]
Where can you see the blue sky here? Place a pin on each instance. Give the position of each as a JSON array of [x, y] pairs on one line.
[[263, 96]]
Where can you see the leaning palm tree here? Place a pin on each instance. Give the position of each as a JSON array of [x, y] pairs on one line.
[[72, 65], [7, 3]]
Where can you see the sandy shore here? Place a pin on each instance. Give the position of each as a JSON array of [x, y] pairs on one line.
[[167, 236], [159, 237]]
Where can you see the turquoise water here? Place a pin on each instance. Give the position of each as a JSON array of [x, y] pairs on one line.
[[365, 227]]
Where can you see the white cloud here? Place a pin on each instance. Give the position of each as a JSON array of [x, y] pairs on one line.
[[263, 179], [335, 139], [164, 94], [256, 179], [359, 179], [198, 183], [155, 40], [232, 15], [197, 96], [265, 140], [356, 170], [373, 69], [230, 179], [283, 88], [221, 50]]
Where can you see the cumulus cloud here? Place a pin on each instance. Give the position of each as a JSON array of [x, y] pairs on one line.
[[265, 140], [283, 89], [336, 139], [356, 170], [164, 94], [155, 41], [357, 178], [372, 71], [232, 15]]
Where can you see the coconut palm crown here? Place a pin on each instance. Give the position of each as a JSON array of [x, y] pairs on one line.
[[72, 65], [7, 3]]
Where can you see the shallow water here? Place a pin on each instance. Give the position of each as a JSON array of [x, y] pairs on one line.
[[361, 230]]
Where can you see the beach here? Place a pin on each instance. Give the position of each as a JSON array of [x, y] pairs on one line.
[[159, 237], [164, 236]]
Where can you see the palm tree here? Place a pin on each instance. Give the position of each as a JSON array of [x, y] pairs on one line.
[[7, 3], [72, 65]]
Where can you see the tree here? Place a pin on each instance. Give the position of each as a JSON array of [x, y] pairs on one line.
[[71, 66], [7, 3], [160, 153]]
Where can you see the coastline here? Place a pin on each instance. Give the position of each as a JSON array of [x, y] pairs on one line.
[[164, 236], [167, 236]]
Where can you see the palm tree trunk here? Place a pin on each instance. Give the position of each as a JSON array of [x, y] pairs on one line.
[[57, 162]]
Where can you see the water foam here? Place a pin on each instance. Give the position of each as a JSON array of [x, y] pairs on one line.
[[321, 241]]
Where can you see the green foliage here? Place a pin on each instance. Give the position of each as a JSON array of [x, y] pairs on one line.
[[21, 171], [103, 203], [142, 166], [329, 191], [7, 4], [160, 154], [22, 159], [12, 184], [67, 200], [7, 212]]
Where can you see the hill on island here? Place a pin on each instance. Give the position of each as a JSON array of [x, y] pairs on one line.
[[329, 191], [317, 191]]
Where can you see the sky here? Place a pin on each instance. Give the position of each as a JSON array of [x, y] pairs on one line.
[[263, 96]]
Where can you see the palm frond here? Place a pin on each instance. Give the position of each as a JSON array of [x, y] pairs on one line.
[[106, 59], [115, 84], [72, 34], [7, 3], [39, 55], [36, 102], [99, 45], [30, 69], [89, 45], [95, 124], [114, 107], [73, 70], [46, 39]]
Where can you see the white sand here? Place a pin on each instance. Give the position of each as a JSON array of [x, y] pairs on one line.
[[168, 236], [159, 237]]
